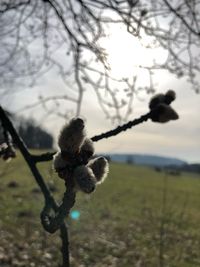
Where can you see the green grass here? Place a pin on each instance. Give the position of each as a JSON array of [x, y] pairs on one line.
[[137, 217]]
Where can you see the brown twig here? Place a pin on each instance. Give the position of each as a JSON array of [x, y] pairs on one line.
[[7, 124], [52, 224]]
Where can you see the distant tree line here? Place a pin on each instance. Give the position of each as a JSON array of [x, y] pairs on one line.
[[33, 135], [176, 170], [195, 167]]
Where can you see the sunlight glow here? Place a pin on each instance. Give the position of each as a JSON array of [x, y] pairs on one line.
[[126, 53]]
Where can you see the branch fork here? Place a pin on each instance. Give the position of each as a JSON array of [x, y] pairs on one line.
[[75, 162]]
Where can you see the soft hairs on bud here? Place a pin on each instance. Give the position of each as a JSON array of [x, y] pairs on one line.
[[73, 162], [58, 161], [100, 168], [72, 136], [156, 100], [170, 96], [161, 111], [84, 179], [7, 152], [164, 113], [87, 149], [167, 98], [60, 165]]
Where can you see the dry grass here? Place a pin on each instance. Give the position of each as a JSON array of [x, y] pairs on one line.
[[138, 217]]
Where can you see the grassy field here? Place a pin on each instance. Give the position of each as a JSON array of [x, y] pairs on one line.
[[138, 217]]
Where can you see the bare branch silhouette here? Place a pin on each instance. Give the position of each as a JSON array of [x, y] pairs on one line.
[[66, 37]]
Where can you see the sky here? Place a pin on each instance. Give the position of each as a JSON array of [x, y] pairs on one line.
[[179, 139]]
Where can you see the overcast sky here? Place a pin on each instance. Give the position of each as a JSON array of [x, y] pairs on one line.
[[179, 138]]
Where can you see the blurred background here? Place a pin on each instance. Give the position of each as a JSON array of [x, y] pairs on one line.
[[104, 61]]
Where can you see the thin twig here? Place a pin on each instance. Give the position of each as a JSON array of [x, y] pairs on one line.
[[49, 155], [53, 224], [122, 128]]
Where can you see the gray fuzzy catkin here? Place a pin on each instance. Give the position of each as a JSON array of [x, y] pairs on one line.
[[87, 149], [60, 166], [84, 179], [100, 168], [170, 96], [162, 99], [156, 100], [58, 161], [72, 136], [165, 113]]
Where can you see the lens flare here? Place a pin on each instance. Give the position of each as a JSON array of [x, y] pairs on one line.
[[75, 214]]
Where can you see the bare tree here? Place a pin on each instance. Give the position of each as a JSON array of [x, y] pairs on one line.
[[37, 36]]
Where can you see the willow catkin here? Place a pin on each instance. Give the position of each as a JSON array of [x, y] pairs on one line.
[[100, 168], [84, 179], [72, 136]]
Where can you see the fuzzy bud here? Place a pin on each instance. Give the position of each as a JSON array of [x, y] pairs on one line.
[[156, 100], [164, 113], [170, 96], [100, 168], [72, 136], [60, 165], [7, 152], [143, 12], [87, 149], [84, 179]]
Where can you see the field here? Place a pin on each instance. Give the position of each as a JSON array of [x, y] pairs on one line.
[[138, 217]]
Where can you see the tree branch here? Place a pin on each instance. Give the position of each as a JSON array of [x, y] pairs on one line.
[[7, 124], [49, 156], [181, 18]]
